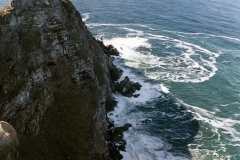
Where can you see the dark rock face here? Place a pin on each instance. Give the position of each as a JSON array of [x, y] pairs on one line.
[[110, 104], [115, 73], [127, 87], [55, 81], [116, 142]]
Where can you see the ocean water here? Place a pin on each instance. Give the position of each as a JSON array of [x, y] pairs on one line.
[[186, 55]]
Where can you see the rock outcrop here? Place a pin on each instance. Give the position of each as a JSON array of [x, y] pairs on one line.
[[128, 88], [116, 142], [55, 82], [109, 49], [8, 138]]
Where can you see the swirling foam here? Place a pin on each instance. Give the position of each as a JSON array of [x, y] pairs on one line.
[[225, 124], [140, 145], [85, 16], [190, 62]]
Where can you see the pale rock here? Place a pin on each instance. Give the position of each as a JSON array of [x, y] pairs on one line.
[[8, 138]]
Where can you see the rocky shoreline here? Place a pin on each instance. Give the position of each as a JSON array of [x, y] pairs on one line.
[[56, 84], [126, 88]]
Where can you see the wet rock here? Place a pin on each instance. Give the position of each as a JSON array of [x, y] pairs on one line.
[[110, 104], [8, 138], [146, 121], [127, 87], [136, 95], [115, 73], [109, 49], [118, 131], [116, 142], [138, 86], [112, 50]]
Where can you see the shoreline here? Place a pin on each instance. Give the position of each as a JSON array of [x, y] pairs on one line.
[[126, 88]]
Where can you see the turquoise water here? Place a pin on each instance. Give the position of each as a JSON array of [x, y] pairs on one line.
[[186, 54], [191, 51]]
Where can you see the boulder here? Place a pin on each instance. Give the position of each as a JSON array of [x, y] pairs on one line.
[[8, 138], [127, 87], [112, 50]]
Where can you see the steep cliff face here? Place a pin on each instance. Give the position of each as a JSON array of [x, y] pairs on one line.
[[54, 82]]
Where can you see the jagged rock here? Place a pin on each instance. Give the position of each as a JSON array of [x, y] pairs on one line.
[[127, 87], [112, 50], [8, 138], [54, 81], [115, 73], [110, 104], [116, 142], [109, 49], [118, 131]]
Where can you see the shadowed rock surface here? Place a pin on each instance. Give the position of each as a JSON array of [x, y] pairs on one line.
[[128, 88], [54, 82], [116, 142]]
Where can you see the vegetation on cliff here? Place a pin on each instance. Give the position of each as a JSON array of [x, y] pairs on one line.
[[54, 82]]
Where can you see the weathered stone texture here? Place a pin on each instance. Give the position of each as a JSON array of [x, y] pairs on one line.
[[54, 81], [8, 138]]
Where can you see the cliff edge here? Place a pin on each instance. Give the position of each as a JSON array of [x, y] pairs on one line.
[[54, 82]]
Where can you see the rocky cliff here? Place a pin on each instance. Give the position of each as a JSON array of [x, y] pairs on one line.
[[54, 82]]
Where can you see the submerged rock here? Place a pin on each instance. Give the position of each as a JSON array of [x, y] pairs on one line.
[[146, 121]]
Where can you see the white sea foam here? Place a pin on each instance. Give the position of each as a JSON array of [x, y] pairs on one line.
[[85, 16], [164, 89], [204, 154], [225, 124], [134, 32], [140, 145], [181, 67], [153, 29], [205, 34], [127, 47], [144, 147], [185, 68], [225, 105], [115, 24], [148, 92]]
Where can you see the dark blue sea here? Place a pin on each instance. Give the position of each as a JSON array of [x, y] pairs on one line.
[[186, 55]]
